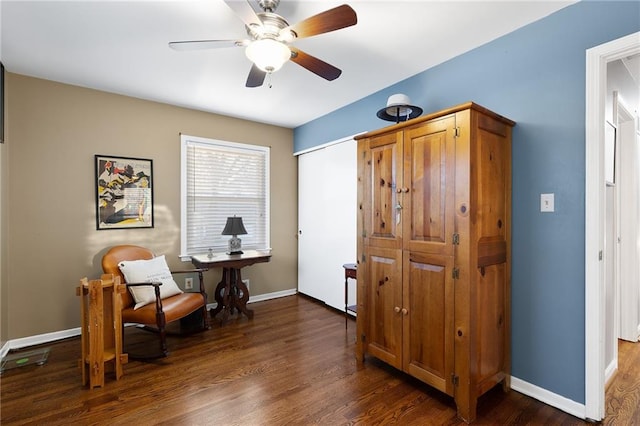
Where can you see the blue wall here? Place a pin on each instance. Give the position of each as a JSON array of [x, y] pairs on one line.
[[536, 77]]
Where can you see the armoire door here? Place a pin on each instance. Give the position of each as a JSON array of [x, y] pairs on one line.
[[384, 304], [428, 313], [383, 211], [429, 186]]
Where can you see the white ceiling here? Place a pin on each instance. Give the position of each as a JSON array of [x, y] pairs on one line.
[[121, 47]]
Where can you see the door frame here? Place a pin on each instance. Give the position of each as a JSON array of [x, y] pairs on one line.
[[596, 86]]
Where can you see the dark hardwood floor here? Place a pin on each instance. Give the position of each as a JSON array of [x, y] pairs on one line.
[[292, 364]]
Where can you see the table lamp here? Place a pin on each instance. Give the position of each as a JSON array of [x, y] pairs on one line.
[[399, 109], [234, 227]]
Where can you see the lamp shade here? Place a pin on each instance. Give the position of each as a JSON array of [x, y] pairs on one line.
[[269, 55], [234, 226], [398, 109]]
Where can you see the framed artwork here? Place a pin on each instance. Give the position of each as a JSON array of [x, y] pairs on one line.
[[1, 103], [124, 192], [610, 153]]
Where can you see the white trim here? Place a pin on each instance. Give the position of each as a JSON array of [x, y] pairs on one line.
[[560, 402], [274, 295], [65, 334], [611, 370], [325, 145], [38, 339], [596, 84], [262, 297]]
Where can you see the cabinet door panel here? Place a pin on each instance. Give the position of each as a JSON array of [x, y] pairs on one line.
[[428, 325], [384, 294], [492, 195], [492, 320], [429, 182], [384, 175]]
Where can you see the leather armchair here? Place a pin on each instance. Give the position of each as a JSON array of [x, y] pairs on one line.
[[155, 315]]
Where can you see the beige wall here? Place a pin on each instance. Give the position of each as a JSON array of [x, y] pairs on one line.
[[54, 131]]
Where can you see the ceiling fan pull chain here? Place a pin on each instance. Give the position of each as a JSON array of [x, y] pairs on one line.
[[269, 80]]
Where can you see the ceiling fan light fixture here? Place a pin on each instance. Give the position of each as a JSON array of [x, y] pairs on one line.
[[269, 55]]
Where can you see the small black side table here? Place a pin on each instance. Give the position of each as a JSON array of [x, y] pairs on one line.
[[350, 270]]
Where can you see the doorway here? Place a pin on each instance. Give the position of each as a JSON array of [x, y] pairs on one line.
[[627, 310], [596, 72]]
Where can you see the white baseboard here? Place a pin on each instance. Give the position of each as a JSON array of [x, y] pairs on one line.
[[610, 371], [262, 297], [64, 334], [274, 295], [560, 402], [39, 339]]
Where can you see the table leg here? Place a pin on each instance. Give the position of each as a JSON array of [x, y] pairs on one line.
[[231, 294], [346, 300], [241, 302], [221, 295]]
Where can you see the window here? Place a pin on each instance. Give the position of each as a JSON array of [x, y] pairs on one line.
[[221, 179]]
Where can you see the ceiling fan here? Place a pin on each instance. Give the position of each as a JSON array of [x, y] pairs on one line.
[[270, 38]]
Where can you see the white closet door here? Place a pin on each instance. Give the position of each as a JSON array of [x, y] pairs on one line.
[[629, 242], [327, 185]]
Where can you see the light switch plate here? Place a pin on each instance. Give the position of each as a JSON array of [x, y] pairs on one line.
[[547, 203]]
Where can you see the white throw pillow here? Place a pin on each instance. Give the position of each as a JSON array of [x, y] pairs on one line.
[[146, 271]]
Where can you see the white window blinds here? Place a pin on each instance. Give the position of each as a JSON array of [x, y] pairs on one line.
[[222, 179]]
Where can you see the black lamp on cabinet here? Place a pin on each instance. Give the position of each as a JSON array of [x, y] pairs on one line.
[[399, 109], [234, 227]]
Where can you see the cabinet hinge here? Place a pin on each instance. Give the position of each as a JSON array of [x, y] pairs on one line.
[[362, 258], [456, 132], [363, 337], [456, 239], [455, 273], [455, 379]]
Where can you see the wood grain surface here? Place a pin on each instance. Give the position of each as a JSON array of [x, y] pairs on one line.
[[292, 364]]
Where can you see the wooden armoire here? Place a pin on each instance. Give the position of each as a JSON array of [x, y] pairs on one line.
[[434, 229]]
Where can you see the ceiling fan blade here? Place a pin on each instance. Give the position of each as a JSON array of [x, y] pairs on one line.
[[243, 9], [315, 65], [205, 44], [256, 77], [324, 22]]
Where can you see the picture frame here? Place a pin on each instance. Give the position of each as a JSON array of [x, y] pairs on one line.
[[124, 192], [1, 103], [610, 153]]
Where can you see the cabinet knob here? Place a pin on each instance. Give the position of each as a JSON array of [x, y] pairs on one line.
[[397, 309], [404, 311], [405, 190], [398, 190]]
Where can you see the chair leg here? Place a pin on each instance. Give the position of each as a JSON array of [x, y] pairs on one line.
[[161, 323], [163, 342], [206, 325]]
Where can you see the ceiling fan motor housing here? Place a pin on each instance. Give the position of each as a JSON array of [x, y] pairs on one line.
[[272, 26], [269, 5]]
